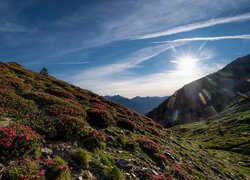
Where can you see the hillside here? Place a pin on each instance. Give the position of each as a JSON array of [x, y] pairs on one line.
[[205, 97], [225, 135], [50, 129], [141, 105]]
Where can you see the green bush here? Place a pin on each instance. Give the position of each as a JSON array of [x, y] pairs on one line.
[[29, 170], [57, 169], [82, 157]]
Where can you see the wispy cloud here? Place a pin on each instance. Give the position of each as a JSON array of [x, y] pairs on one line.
[[214, 38], [56, 63], [132, 61], [198, 25], [115, 78], [12, 27], [161, 83]]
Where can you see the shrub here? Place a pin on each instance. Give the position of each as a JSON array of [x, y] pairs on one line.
[[82, 157], [57, 169], [148, 145], [126, 124], [30, 170], [100, 118], [15, 106], [70, 127], [61, 110], [153, 130], [62, 93], [18, 140], [94, 140], [16, 84], [43, 125]]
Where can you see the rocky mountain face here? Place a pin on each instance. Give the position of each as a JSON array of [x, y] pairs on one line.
[[205, 97], [140, 104], [50, 129]]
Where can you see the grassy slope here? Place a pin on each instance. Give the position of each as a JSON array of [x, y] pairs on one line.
[[226, 137], [70, 117]]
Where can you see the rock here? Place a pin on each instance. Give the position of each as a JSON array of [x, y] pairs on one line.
[[53, 135], [2, 168], [86, 175], [215, 169], [169, 155], [124, 164], [5, 122], [242, 163], [47, 151], [155, 173]]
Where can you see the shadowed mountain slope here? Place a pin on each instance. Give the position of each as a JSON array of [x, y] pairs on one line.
[[205, 97]]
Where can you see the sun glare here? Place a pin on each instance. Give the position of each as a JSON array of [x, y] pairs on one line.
[[187, 65]]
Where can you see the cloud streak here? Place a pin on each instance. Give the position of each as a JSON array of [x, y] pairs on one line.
[[56, 63], [198, 25], [214, 38], [132, 61]]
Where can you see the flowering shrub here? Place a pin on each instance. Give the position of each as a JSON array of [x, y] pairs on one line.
[[57, 168], [61, 93], [148, 145], [4, 69], [94, 140], [18, 140], [60, 110], [126, 124], [44, 98], [153, 130], [100, 118], [15, 106], [16, 84], [70, 127]]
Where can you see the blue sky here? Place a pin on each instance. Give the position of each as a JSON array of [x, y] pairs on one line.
[[130, 47]]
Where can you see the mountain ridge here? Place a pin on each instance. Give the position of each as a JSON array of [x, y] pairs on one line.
[[140, 104], [204, 97]]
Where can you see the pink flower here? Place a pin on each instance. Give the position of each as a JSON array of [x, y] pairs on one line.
[[27, 137]]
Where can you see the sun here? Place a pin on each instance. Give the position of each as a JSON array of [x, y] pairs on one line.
[[187, 65]]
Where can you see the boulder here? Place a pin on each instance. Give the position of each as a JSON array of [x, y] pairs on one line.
[[124, 164]]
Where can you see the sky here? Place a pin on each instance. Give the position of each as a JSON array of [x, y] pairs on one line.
[[131, 48]]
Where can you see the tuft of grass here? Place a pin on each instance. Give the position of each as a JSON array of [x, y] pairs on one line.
[[113, 173], [82, 157]]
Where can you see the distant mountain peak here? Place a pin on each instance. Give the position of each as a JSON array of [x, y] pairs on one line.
[[140, 104]]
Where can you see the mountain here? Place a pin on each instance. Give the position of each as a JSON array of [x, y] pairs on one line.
[[50, 129], [140, 104], [205, 97]]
